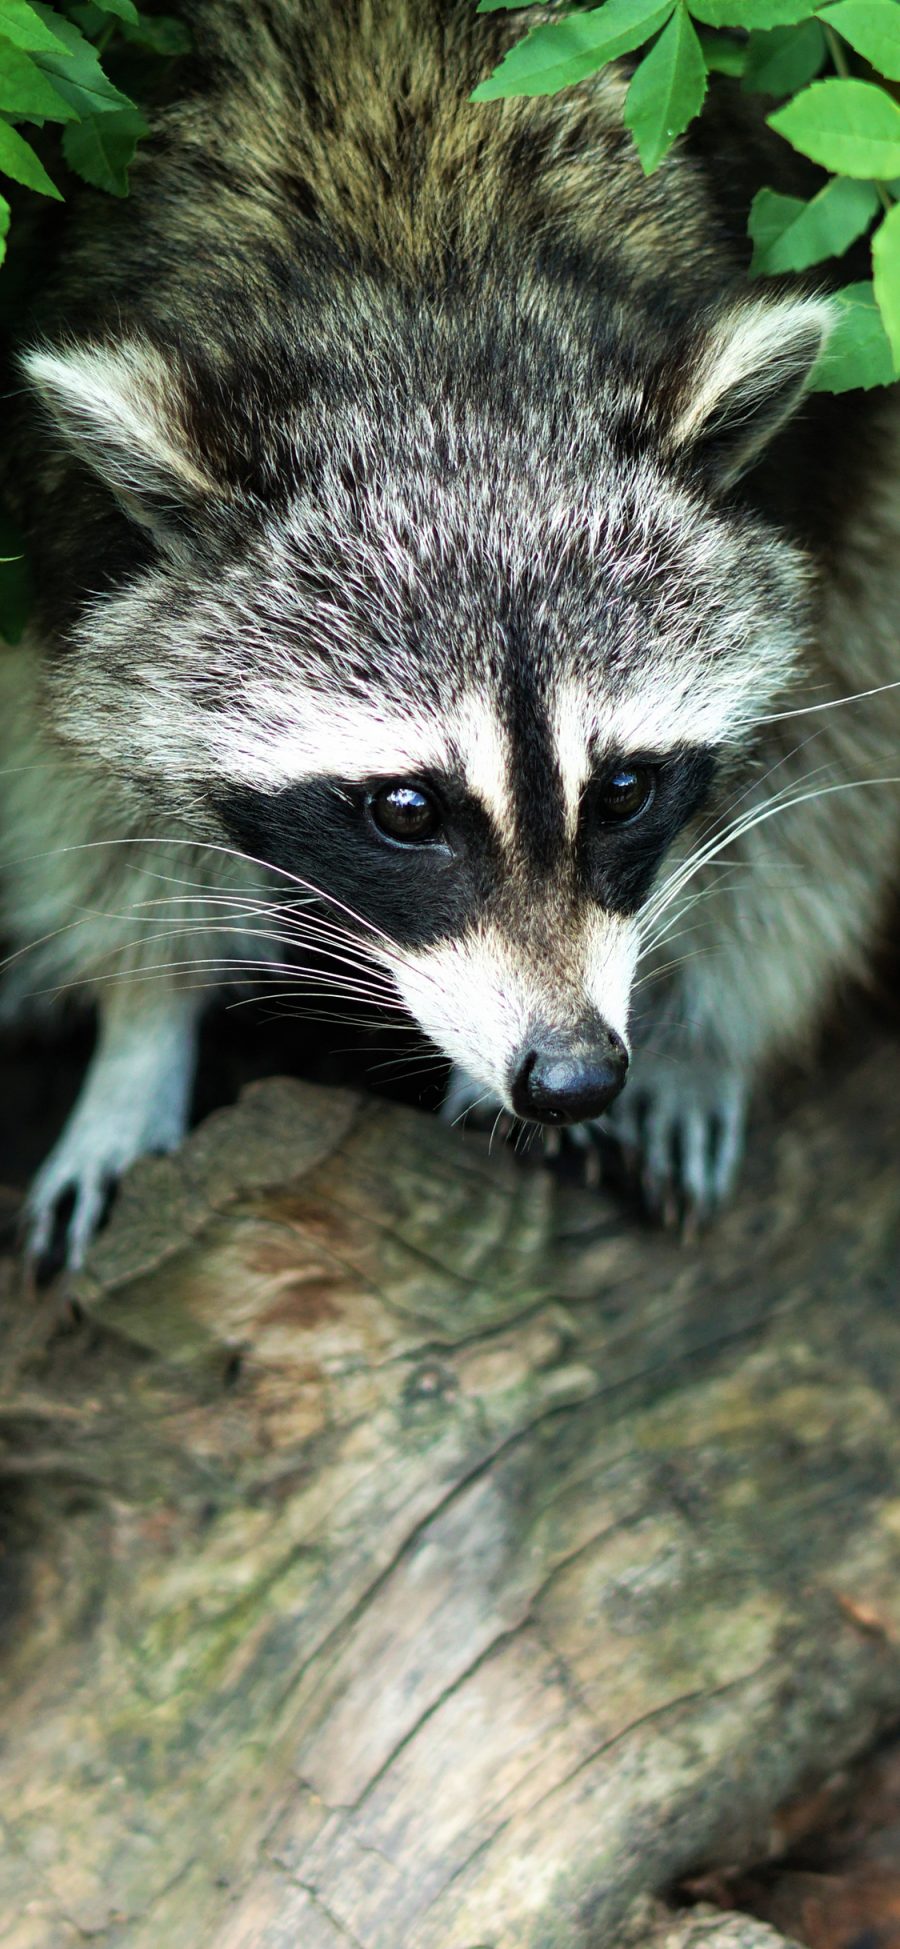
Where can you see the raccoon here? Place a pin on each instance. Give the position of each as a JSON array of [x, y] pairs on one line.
[[447, 585]]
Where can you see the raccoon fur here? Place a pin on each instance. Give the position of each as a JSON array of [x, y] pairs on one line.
[[446, 591]]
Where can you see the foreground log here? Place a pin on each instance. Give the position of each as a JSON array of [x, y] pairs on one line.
[[405, 1551]]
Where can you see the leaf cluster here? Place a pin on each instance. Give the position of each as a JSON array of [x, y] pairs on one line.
[[54, 81], [832, 70]]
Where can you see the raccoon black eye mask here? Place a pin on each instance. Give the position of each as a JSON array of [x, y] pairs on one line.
[[433, 577], [422, 860]]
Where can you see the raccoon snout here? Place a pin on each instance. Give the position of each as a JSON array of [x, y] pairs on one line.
[[569, 1079]]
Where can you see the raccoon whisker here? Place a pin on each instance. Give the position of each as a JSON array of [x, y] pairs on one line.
[[416, 1073], [334, 957], [220, 968], [668, 967], [377, 1048], [230, 967], [247, 903], [315, 893], [757, 782], [460, 1118], [755, 785], [303, 987], [666, 937], [831, 703], [227, 852], [298, 1014], [182, 928], [40, 940], [295, 879], [311, 925], [313, 928], [710, 828], [663, 935], [424, 1062], [236, 923], [296, 997], [758, 815]]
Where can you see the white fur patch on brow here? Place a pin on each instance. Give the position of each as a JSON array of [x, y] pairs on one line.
[[475, 732], [278, 737], [275, 738], [661, 717], [481, 996], [662, 709]]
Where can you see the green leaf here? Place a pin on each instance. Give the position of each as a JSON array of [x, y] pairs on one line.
[[15, 581], [873, 28], [26, 91], [166, 36], [21, 24], [789, 234], [123, 9], [852, 127], [78, 75], [667, 90], [18, 160], [566, 51], [493, 6], [754, 15], [786, 58], [88, 17], [858, 351], [4, 226], [723, 54], [886, 267], [101, 148]]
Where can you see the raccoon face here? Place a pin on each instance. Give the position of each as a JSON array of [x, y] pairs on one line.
[[468, 682]]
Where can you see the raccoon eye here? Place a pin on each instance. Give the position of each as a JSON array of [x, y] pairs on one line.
[[405, 813], [624, 793]]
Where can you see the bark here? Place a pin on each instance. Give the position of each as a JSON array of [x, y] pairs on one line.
[[406, 1552]]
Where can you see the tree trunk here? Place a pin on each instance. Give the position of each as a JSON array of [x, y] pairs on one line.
[[408, 1552]]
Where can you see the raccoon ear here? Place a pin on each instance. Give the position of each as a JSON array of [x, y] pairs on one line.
[[749, 380], [123, 410]]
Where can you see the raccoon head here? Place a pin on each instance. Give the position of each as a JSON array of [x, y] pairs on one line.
[[467, 667]]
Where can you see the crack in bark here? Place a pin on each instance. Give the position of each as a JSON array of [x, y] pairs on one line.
[[318, 1902], [589, 1759]]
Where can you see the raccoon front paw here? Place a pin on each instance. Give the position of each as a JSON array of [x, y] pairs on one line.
[[679, 1127], [71, 1195]]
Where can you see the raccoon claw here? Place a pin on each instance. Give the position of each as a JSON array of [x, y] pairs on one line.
[[678, 1129], [681, 1137], [65, 1207], [60, 1226]]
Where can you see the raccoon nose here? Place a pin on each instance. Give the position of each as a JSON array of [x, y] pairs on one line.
[[558, 1082]]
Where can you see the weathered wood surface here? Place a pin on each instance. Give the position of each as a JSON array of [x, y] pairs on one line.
[[405, 1552]]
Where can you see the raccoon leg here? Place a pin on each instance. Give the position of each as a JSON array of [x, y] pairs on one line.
[[771, 954], [135, 1099]]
